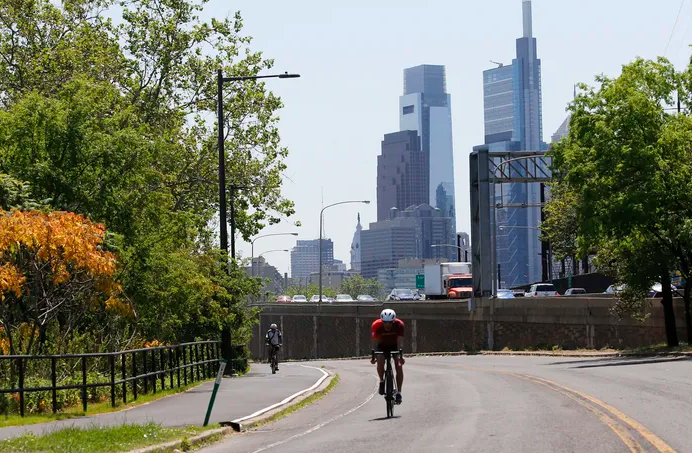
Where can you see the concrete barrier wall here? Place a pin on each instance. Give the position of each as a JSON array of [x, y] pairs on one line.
[[343, 330]]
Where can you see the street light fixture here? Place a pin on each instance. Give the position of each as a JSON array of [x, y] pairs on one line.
[[252, 253], [319, 303], [226, 349]]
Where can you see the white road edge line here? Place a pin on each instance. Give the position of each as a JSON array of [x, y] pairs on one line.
[[316, 427], [319, 382]]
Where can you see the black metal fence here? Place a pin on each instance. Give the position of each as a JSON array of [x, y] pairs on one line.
[[154, 369]]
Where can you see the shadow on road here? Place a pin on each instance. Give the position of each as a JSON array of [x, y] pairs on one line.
[[620, 361], [381, 419]]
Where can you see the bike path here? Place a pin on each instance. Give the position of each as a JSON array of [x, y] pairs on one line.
[[236, 398]]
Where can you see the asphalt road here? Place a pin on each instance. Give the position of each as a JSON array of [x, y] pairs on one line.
[[492, 404], [236, 398]]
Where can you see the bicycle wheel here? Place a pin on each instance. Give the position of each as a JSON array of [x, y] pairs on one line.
[[274, 363], [389, 393]]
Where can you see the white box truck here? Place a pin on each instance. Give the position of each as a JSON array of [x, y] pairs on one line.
[[448, 281]]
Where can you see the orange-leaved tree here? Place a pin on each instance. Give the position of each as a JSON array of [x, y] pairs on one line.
[[53, 269]]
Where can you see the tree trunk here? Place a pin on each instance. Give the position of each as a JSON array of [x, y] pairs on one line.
[[688, 315], [668, 313]]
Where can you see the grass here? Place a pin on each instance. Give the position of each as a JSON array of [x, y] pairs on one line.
[[94, 408], [99, 439], [298, 406]]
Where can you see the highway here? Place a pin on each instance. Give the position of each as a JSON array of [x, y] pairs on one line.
[[492, 404]]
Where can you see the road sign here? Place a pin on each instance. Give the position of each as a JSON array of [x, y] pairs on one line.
[[420, 281]]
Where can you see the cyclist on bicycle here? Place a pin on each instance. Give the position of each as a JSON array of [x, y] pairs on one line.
[[388, 336], [273, 339]]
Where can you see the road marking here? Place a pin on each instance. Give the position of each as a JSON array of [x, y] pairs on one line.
[[319, 382], [605, 408], [316, 427]]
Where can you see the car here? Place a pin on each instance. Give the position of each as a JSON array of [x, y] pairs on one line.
[[505, 294], [541, 290], [344, 298], [613, 289], [299, 298], [365, 298], [518, 293], [316, 298], [283, 298], [401, 294], [574, 291]]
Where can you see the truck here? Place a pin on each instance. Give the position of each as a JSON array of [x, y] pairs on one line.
[[448, 281]]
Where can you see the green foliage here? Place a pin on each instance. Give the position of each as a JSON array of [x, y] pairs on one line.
[[112, 119], [623, 178], [357, 285], [310, 290]]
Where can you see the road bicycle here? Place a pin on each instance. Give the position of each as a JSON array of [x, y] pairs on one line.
[[389, 381], [274, 358]]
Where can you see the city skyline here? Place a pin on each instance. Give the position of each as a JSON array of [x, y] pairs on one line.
[[307, 37]]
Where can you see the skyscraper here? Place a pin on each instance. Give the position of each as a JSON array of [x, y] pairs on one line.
[[355, 247], [402, 173], [305, 257], [513, 122], [425, 108]]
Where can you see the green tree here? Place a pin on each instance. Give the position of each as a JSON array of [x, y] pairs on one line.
[[310, 290], [357, 285], [623, 181], [112, 119]]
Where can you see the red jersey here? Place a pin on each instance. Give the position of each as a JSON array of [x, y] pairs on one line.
[[387, 337]]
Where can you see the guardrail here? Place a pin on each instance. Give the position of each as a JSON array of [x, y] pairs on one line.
[[195, 361]]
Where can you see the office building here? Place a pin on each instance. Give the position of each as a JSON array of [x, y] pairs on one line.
[[513, 122], [331, 278], [402, 173], [305, 257], [425, 108], [562, 131], [272, 280], [355, 247], [410, 233]]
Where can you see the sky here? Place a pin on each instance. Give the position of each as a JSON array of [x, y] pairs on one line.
[[351, 55]]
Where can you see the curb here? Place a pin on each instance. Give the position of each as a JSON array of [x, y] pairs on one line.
[[177, 443], [514, 353], [245, 424]]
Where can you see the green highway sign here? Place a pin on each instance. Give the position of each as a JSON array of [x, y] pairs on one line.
[[420, 281]]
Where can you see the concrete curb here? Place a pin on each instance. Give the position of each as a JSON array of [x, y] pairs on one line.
[[594, 354], [235, 426], [177, 443], [250, 422]]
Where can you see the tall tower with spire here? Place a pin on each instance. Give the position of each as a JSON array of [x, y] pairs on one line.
[[513, 122], [355, 248]]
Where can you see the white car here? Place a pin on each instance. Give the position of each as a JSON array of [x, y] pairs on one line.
[[344, 298], [300, 298], [366, 298], [316, 298], [541, 290]]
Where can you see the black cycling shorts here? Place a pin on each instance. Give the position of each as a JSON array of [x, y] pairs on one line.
[[386, 348]]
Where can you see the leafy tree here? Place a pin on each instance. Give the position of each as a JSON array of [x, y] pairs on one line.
[[623, 182], [111, 119], [310, 290], [357, 285], [52, 268]]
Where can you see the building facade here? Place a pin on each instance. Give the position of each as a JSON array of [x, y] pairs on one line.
[[513, 122], [402, 173], [410, 233], [355, 247], [305, 257], [425, 108]]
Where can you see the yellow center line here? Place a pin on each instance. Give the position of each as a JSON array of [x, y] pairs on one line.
[[653, 439]]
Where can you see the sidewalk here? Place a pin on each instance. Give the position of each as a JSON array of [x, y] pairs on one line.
[[236, 398]]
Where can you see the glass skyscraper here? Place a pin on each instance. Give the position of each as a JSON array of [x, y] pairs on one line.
[[513, 122], [425, 107]]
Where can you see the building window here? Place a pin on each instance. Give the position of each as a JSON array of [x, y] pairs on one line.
[[408, 109]]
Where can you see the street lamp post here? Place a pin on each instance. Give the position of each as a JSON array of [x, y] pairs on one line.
[[226, 348], [319, 303], [252, 248], [466, 258]]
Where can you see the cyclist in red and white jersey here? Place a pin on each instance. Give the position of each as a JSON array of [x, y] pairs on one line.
[[388, 336]]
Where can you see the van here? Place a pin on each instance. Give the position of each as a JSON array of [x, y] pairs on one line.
[[541, 290]]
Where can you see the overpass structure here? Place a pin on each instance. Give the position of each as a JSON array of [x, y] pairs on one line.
[[488, 170]]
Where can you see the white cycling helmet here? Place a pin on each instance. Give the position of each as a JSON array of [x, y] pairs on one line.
[[273, 327], [388, 315]]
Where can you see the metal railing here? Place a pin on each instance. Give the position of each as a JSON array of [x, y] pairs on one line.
[[194, 361]]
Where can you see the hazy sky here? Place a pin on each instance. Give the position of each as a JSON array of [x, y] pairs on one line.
[[351, 57]]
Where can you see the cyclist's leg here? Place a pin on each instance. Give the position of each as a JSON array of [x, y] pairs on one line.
[[380, 369], [276, 355], [399, 378]]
